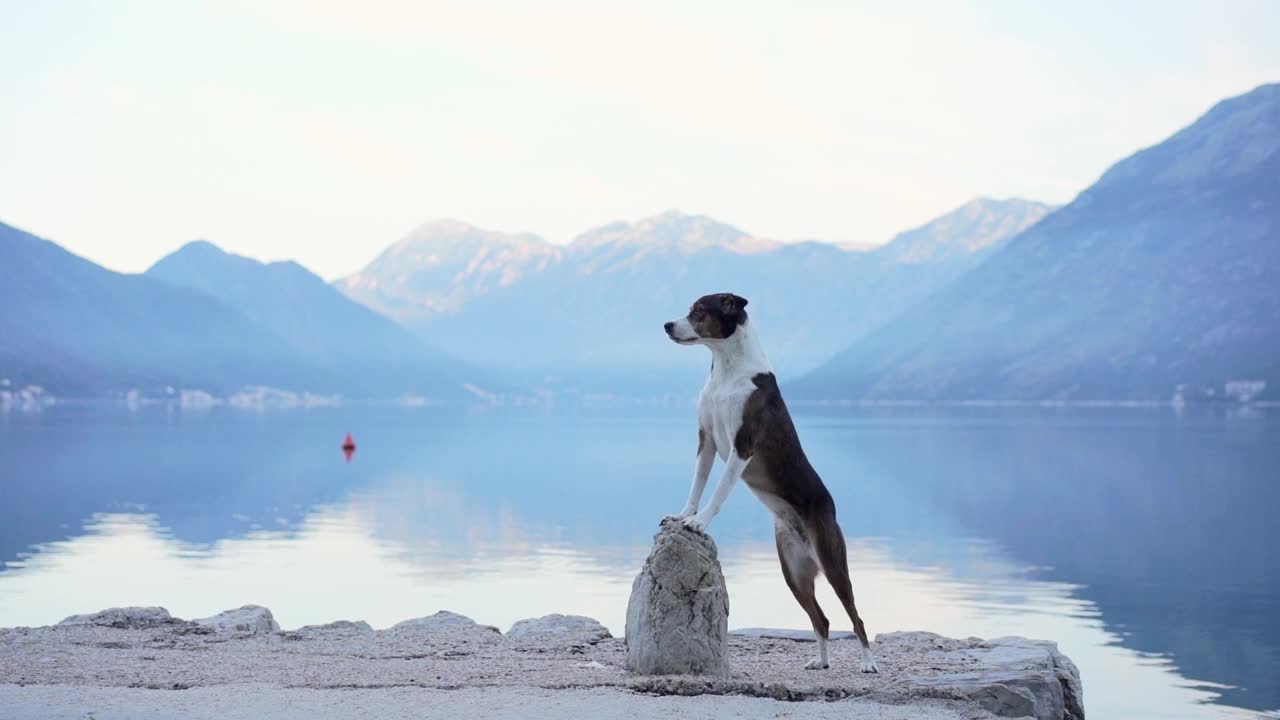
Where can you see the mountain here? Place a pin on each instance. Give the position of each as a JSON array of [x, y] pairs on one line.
[[977, 227], [672, 231], [371, 354], [76, 328], [1157, 281], [591, 312], [441, 266]]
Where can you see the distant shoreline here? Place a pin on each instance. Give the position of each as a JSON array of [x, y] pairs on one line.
[[272, 400]]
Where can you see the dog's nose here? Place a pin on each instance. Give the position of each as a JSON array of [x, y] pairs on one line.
[[668, 327]]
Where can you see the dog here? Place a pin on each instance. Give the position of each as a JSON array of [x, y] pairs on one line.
[[742, 418]]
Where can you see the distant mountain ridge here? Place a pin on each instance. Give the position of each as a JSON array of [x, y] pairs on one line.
[[371, 353], [1157, 283], [591, 307], [979, 225], [205, 320], [442, 265], [671, 230], [79, 329]]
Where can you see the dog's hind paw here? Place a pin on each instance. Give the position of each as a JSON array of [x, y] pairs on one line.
[[817, 664], [869, 662]]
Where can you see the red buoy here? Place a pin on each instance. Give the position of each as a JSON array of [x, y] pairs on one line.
[[348, 447]]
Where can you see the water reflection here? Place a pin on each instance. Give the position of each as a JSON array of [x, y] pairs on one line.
[[1138, 542]]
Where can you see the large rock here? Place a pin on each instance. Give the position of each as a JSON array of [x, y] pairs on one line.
[[246, 621], [124, 617], [336, 630], [556, 631], [678, 614]]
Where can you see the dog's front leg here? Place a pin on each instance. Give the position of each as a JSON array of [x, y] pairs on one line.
[[733, 468], [701, 471]]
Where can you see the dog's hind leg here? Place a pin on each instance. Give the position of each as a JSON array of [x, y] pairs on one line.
[[799, 570], [828, 541]]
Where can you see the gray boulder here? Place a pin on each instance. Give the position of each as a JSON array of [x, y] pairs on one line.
[[335, 629], [445, 627], [245, 621], [124, 617], [1010, 676], [556, 631], [678, 614]]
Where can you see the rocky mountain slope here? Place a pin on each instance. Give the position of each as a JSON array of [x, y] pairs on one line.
[[1157, 282]]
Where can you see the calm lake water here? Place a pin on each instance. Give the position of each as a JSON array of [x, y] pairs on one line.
[[1142, 541]]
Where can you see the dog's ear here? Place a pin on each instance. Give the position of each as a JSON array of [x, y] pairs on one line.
[[731, 304]]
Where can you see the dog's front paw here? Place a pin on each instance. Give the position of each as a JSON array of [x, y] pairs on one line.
[[817, 664], [696, 523], [678, 517]]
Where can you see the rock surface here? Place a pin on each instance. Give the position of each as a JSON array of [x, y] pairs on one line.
[[243, 621], [117, 653], [561, 631], [678, 614], [1017, 677]]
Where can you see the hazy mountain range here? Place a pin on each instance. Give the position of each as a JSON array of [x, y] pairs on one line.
[[591, 313], [1157, 281]]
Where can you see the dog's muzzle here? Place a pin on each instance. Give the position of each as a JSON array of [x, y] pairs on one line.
[[673, 327]]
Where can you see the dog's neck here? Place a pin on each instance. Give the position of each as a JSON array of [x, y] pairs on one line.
[[739, 354]]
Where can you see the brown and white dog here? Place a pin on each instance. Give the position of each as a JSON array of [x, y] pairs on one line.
[[742, 418]]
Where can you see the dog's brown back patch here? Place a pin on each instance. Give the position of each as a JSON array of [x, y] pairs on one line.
[[769, 438]]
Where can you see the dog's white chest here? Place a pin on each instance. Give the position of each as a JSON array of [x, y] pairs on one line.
[[720, 407]]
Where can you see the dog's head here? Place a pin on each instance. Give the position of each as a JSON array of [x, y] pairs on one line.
[[711, 318]]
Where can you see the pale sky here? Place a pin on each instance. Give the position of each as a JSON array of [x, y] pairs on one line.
[[323, 131]]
